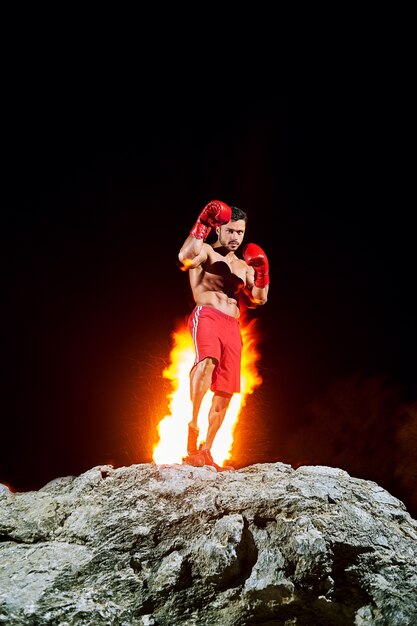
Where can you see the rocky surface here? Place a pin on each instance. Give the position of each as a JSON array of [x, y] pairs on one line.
[[154, 545]]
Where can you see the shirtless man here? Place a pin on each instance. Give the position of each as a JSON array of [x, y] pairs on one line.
[[217, 276]]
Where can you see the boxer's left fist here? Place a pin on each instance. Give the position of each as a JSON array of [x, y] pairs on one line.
[[215, 213], [256, 258]]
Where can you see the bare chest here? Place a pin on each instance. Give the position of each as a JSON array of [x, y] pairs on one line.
[[230, 264]]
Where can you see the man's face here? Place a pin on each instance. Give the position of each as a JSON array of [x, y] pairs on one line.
[[231, 235]]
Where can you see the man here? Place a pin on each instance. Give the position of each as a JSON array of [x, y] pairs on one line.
[[218, 278]]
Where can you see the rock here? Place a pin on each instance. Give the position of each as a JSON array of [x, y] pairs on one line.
[[174, 545]]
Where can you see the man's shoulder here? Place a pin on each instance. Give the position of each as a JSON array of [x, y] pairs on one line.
[[211, 251]]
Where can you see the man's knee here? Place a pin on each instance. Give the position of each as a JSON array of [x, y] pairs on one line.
[[222, 398], [218, 411], [204, 367], [220, 402], [216, 417]]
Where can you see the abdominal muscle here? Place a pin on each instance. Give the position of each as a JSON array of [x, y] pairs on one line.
[[219, 301]]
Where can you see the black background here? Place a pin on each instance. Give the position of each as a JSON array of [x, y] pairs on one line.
[[98, 196]]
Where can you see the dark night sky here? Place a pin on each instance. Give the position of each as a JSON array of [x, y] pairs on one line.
[[97, 200]]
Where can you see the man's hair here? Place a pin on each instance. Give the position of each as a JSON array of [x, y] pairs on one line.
[[238, 214]]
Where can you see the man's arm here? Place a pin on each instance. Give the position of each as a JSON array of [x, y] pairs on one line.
[[257, 278], [194, 251]]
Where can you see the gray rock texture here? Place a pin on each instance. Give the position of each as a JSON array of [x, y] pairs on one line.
[[154, 545]]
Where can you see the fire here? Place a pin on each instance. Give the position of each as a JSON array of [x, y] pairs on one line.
[[173, 428]]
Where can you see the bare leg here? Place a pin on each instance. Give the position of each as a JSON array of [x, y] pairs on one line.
[[217, 414], [200, 380]]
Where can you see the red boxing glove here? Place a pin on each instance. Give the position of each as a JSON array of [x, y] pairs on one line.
[[215, 213], [256, 258]]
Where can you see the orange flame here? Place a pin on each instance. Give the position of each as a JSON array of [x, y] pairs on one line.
[[173, 428]]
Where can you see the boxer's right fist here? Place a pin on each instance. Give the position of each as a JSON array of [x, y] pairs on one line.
[[256, 258], [215, 213]]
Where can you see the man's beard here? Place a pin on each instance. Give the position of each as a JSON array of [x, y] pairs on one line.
[[227, 246]]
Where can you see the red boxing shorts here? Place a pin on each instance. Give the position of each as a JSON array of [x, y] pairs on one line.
[[217, 335]]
